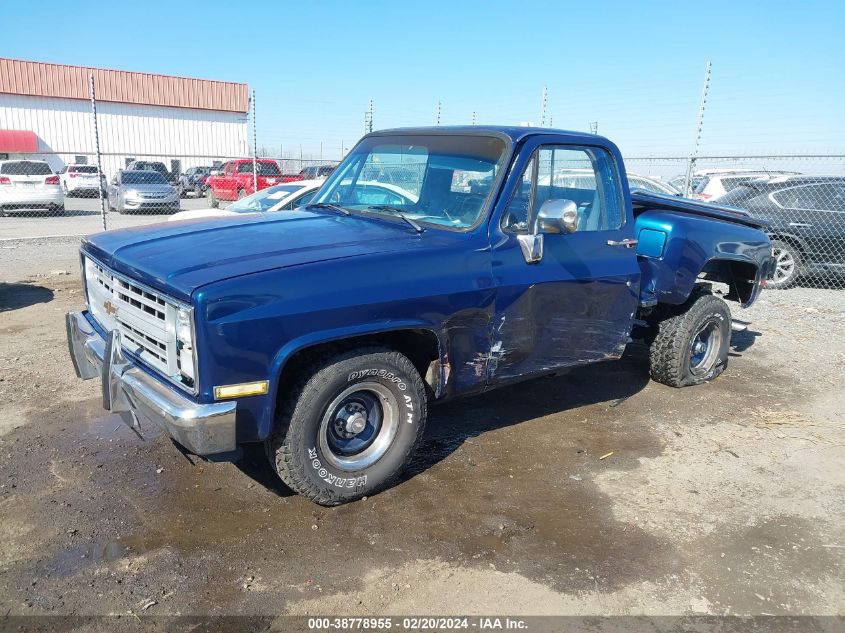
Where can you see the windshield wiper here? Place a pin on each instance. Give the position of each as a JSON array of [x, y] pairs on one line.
[[327, 205], [398, 212]]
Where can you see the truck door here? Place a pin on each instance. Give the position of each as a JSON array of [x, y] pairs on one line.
[[571, 300]]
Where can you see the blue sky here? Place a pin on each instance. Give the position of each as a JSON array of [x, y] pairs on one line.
[[637, 68]]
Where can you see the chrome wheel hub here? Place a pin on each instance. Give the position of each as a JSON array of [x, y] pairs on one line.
[[359, 426], [704, 348], [784, 264]]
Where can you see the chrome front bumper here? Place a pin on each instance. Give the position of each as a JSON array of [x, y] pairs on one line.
[[203, 429]]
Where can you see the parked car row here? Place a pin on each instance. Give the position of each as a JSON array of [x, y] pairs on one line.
[[807, 222]]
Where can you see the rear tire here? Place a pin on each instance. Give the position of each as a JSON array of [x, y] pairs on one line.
[[349, 426], [788, 266], [211, 198], [241, 194], [692, 342]]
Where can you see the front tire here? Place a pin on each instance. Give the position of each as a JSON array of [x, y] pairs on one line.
[[349, 427], [787, 266], [692, 343]]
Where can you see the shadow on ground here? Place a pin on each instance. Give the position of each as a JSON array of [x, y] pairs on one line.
[[451, 424], [14, 296]]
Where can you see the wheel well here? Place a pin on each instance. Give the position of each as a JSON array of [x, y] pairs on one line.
[[421, 347], [792, 241], [739, 276]]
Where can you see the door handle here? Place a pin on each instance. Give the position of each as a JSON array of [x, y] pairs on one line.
[[627, 243], [801, 225]]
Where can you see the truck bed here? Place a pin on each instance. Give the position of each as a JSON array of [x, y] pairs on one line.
[[647, 200]]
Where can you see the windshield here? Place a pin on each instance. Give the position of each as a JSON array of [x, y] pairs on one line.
[[265, 199], [433, 179], [84, 169], [143, 178]]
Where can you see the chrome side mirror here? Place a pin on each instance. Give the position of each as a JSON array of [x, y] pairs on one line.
[[558, 216]]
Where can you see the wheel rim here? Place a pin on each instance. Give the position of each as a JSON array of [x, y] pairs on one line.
[[784, 265], [704, 348], [359, 426]]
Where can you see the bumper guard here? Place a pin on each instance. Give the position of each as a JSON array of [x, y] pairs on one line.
[[203, 429]]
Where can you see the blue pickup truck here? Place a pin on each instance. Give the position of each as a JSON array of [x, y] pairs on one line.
[[433, 263]]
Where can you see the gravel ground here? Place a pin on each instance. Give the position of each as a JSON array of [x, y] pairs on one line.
[[723, 498]]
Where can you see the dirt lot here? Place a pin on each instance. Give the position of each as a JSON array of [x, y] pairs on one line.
[[725, 498]]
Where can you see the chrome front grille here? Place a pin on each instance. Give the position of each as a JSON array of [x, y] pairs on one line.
[[145, 319]]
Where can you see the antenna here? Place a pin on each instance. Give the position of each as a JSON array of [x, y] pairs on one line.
[[439, 108], [473, 117]]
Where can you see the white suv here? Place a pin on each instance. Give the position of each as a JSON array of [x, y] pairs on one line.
[[29, 185], [715, 184], [81, 179]]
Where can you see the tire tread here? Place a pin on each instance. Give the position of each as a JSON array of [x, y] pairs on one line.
[[281, 444]]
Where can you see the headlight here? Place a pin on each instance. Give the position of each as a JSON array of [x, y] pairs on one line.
[[185, 342], [184, 327]]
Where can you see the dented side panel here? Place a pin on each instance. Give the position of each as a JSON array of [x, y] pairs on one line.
[[576, 306]]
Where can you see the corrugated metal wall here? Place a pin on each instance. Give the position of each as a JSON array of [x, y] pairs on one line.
[[71, 82], [64, 129]]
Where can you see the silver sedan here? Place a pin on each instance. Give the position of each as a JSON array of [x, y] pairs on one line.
[[143, 192]]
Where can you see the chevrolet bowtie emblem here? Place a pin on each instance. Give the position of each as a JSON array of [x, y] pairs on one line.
[[110, 309]]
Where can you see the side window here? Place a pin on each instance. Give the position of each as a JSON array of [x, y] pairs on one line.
[[585, 175], [515, 219], [300, 201], [804, 198], [244, 168]]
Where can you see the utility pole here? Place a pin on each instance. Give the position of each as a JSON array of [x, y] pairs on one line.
[[594, 127], [439, 108], [254, 147], [543, 107], [97, 148], [368, 119], [700, 123]]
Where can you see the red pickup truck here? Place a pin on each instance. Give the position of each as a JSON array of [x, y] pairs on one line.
[[234, 180]]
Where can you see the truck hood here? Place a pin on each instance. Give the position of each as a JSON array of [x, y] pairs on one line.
[[179, 257]]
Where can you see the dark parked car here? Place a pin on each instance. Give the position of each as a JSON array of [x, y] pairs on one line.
[[193, 181], [150, 165], [808, 222]]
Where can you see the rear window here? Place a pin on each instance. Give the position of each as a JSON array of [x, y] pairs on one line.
[[262, 169], [25, 168], [143, 178], [84, 169], [159, 167], [739, 196]]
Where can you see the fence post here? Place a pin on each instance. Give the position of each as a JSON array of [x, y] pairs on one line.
[[694, 154], [97, 148], [254, 147]]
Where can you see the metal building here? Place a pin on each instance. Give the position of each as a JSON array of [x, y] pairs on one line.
[[45, 112]]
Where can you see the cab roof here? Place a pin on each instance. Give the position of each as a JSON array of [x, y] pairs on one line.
[[515, 133]]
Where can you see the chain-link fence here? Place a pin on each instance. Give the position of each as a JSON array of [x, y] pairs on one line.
[[802, 197], [113, 164]]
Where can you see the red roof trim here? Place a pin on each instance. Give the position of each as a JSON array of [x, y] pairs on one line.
[[18, 142]]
